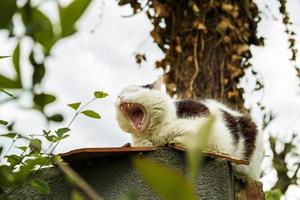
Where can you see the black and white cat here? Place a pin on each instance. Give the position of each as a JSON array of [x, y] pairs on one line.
[[154, 119]]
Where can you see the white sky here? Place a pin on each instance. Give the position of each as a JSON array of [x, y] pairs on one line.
[[104, 60]]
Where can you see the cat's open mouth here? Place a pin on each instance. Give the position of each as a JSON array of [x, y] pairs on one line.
[[136, 114]]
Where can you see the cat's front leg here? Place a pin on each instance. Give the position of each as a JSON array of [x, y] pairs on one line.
[[181, 140], [141, 142], [180, 132]]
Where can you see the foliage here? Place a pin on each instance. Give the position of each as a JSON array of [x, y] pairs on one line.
[[290, 33], [273, 194], [130, 195], [290, 149], [206, 46], [76, 181], [41, 186], [200, 36], [182, 29], [159, 176], [22, 168], [280, 163], [44, 34], [167, 182], [198, 145]]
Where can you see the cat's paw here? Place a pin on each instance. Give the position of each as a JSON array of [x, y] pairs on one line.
[[143, 143], [179, 141]]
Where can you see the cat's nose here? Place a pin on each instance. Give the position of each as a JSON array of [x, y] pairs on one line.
[[121, 98]]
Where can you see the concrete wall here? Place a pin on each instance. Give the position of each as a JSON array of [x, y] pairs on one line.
[[113, 176]]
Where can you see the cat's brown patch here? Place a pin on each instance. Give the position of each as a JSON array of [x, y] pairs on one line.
[[149, 86], [191, 108], [242, 126], [249, 131], [232, 123]]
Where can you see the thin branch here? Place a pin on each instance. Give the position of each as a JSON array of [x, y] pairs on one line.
[[78, 112], [216, 154], [196, 64], [35, 173], [9, 94], [9, 148], [77, 180], [139, 11]]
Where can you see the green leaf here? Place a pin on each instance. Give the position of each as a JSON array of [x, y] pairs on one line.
[[1, 57], [60, 132], [2, 122], [76, 195], [7, 9], [42, 100], [274, 194], [16, 62], [8, 83], [65, 136], [14, 160], [40, 186], [35, 145], [69, 16], [130, 195], [38, 74], [38, 160], [100, 94], [46, 132], [7, 177], [22, 148], [56, 118], [1, 149], [91, 114], [9, 135], [198, 145], [39, 70], [52, 138], [75, 106], [38, 26], [11, 126], [169, 183]]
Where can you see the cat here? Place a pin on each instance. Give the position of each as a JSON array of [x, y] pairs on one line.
[[154, 119]]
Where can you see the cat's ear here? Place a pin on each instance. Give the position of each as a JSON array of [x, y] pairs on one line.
[[157, 84]]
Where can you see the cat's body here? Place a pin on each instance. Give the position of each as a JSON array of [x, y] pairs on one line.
[[154, 119]]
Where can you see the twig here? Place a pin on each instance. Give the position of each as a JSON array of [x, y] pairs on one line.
[[35, 173], [9, 148], [4, 91], [139, 11], [77, 180], [78, 112], [196, 66], [217, 155]]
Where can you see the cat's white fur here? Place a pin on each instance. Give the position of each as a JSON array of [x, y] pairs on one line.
[[164, 127]]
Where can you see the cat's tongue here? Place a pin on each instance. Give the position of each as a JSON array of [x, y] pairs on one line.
[[135, 113], [137, 121]]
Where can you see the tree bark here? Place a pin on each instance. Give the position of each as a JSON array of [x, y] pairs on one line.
[[206, 45]]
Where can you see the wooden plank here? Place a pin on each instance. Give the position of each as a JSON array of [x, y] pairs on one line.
[[85, 153], [215, 154]]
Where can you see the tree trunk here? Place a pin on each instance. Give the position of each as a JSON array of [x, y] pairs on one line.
[[207, 46]]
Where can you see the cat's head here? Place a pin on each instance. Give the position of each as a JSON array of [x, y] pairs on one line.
[[140, 109]]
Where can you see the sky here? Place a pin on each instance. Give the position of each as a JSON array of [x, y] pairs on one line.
[[101, 57]]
